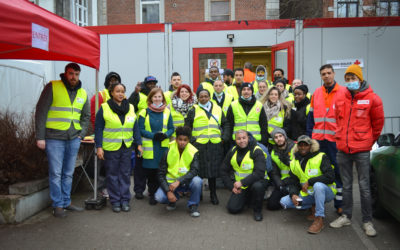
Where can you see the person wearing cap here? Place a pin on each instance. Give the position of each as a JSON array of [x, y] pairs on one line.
[[299, 112], [321, 122], [248, 114], [277, 111], [249, 76], [138, 98], [297, 82], [311, 182], [62, 119], [246, 161], [360, 119], [207, 122], [175, 83], [213, 75], [261, 75], [234, 89], [228, 77], [281, 85], [281, 155]]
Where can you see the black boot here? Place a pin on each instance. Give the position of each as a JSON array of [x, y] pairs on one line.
[[213, 191]]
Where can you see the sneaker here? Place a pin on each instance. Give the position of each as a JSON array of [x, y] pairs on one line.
[[125, 207], [74, 208], [258, 216], [194, 211], [59, 212], [152, 201], [116, 208], [369, 229], [171, 206], [340, 222], [139, 196], [104, 193]]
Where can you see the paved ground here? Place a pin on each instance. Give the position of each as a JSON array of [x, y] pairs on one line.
[[152, 227]]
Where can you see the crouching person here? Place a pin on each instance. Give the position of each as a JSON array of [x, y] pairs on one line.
[[247, 161], [311, 183], [178, 173]]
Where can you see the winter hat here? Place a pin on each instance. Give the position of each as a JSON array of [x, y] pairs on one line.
[[248, 85], [304, 138], [303, 88], [356, 70], [278, 131]]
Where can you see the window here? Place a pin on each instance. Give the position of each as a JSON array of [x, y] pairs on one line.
[[79, 12], [220, 10], [347, 8], [388, 8], [150, 11]]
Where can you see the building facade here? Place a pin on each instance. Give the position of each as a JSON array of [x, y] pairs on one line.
[[360, 8]]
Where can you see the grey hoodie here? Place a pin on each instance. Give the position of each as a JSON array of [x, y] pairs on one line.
[[262, 68]]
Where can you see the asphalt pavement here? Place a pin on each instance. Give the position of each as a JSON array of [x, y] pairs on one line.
[[153, 227]]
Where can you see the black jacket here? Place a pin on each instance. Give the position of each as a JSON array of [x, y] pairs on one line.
[[134, 98], [247, 106], [184, 180], [284, 157], [299, 119], [259, 165]]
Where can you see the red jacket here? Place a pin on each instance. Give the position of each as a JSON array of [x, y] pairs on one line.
[[359, 120]]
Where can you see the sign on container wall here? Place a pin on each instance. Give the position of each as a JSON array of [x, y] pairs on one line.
[[344, 63]]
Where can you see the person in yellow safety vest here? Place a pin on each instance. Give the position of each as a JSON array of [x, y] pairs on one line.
[[279, 73], [312, 170], [277, 111], [220, 98], [281, 156], [182, 101], [207, 122], [228, 77], [280, 84], [138, 97], [299, 112], [208, 84], [298, 82], [115, 129], [262, 89], [246, 161], [234, 89], [61, 120], [248, 114], [178, 172], [261, 75], [156, 126], [176, 82]]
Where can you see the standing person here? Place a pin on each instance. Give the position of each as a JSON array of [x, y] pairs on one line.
[[280, 74], [298, 82], [247, 114], [182, 101], [175, 83], [222, 99], [281, 156], [312, 181], [234, 89], [208, 84], [277, 111], [262, 88], [178, 172], [249, 76], [207, 121], [321, 122], [138, 99], [61, 120], [360, 119], [115, 129], [228, 77], [281, 85], [156, 126], [261, 75], [246, 161], [299, 112]]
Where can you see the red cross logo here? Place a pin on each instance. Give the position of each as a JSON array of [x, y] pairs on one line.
[[357, 62]]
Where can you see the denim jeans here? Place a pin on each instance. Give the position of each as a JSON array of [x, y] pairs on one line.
[[322, 194], [61, 155], [345, 162], [194, 187]]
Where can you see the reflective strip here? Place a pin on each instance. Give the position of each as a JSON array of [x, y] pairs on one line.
[[324, 119], [77, 110], [60, 109], [312, 109], [255, 132], [206, 136], [339, 189], [213, 126], [146, 139], [253, 122], [147, 148], [243, 175], [76, 121], [321, 131], [170, 179], [338, 197], [112, 129], [165, 127], [273, 126], [112, 140], [178, 122], [239, 124], [58, 120], [266, 177], [128, 140], [127, 129], [200, 128], [284, 171]]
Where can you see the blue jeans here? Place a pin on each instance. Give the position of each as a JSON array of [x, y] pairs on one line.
[[322, 194], [194, 187], [61, 155]]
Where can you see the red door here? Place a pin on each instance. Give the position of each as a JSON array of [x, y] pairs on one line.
[[282, 56], [203, 58]]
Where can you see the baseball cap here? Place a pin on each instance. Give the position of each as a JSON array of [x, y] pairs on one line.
[[150, 79]]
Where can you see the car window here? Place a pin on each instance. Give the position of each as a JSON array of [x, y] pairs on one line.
[[397, 140]]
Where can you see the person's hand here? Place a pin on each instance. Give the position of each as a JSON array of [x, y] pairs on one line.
[[174, 185], [171, 196], [158, 136], [237, 187], [100, 153], [163, 136], [138, 87], [305, 187], [294, 200], [140, 149], [41, 144]]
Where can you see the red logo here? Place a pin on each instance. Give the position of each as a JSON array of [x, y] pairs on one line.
[[357, 62]]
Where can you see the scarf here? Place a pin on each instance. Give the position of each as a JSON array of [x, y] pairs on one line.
[[182, 106], [272, 109], [122, 109], [159, 109], [206, 106]]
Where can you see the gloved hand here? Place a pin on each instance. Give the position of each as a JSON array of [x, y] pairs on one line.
[[163, 136], [158, 136]]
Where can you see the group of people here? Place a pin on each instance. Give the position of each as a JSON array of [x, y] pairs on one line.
[[253, 134]]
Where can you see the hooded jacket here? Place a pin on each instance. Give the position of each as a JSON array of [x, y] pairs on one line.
[[284, 156], [359, 119], [328, 174]]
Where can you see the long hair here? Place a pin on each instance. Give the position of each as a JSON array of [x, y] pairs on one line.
[[285, 104], [152, 93]]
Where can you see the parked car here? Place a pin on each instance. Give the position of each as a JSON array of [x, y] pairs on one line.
[[385, 176]]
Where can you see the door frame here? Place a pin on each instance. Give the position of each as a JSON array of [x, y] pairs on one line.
[[290, 60], [220, 50]]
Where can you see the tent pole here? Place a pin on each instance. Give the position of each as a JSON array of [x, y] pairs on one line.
[[95, 149]]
